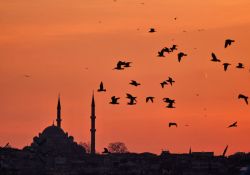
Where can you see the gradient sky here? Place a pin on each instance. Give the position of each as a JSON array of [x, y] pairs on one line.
[[68, 47]]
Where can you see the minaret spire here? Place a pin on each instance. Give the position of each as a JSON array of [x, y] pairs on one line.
[[93, 130], [58, 119]]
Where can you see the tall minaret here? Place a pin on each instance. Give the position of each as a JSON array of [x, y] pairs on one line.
[[58, 119], [92, 130]]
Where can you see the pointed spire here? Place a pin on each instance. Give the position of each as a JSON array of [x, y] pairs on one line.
[[58, 119], [59, 103], [190, 150], [93, 99]]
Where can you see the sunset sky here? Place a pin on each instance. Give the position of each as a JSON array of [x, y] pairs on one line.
[[69, 47]]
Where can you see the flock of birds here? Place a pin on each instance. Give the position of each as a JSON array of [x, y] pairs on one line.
[[121, 65]]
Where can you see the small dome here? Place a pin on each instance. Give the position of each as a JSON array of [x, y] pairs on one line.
[[53, 131]]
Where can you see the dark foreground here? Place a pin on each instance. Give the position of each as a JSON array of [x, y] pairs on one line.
[[26, 162]]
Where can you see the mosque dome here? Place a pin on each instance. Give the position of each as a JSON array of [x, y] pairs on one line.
[[53, 131]]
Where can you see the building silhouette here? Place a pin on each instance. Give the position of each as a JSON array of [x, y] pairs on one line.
[[53, 140], [93, 130]]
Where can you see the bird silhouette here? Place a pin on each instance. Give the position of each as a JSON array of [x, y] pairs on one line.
[[214, 58], [105, 151], [134, 83], [172, 124], [226, 66], [132, 99], [119, 65], [163, 84], [170, 102], [180, 55], [27, 76], [101, 88], [240, 66], [170, 80], [245, 98], [150, 98], [228, 42], [127, 64], [165, 49], [174, 47], [114, 100], [152, 30], [233, 125], [161, 53]]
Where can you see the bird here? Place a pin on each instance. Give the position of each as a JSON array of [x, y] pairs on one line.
[[214, 58], [172, 124], [233, 125], [132, 99], [170, 80], [163, 84], [27, 76], [152, 30], [134, 83], [170, 102], [150, 98], [228, 42], [226, 66], [161, 53], [101, 88], [245, 98], [119, 65], [127, 64], [114, 100], [105, 151], [240, 66], [174, 47], [180, 55], [166, 49]]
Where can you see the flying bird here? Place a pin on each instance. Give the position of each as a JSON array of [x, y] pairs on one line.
[[150, 98], [240, 66], [101, 88], [233, 125], [174, 47], [127, 64], [119, 65], [27, 76], [172, 124], [228, 42], [152, 30], [170, 80], [214, 58], [163, 84], [226, 66], [170, 102], [161, 53], [132, 99], [180, 55], [134, 83], [166, 49], [114, 100], [245, 98]]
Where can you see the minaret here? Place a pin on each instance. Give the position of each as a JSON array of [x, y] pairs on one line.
[[92, 130], [58, 119]]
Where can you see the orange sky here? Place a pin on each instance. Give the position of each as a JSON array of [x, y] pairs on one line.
[[54, 41]]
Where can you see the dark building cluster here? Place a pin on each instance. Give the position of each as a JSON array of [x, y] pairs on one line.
[[54, 152]]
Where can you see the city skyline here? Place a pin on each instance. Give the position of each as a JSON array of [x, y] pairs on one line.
[[70, 47]]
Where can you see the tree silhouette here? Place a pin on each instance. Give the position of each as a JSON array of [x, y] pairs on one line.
[[117, 147], [86, 146]]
